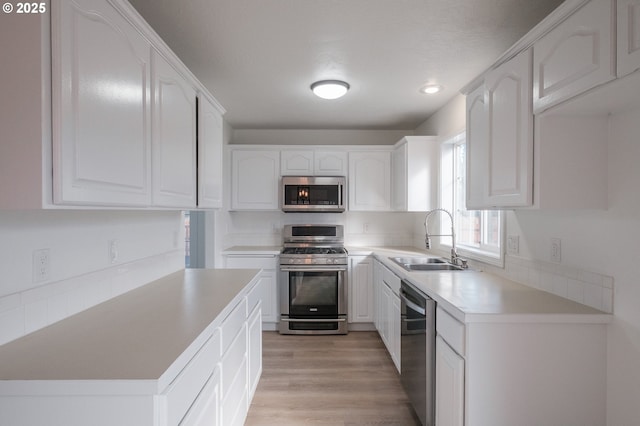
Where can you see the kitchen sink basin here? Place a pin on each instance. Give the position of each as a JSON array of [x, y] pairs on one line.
[[425, 264]]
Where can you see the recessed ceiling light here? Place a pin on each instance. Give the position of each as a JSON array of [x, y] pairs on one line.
[[430, 89], [330, 89]]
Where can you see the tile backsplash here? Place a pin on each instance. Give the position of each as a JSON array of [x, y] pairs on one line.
[[587, 288], [30, 310]]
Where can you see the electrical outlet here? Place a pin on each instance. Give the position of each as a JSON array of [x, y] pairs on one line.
[[41, 265], [556, 250], [365, 228], [513, 244], [113, 251]]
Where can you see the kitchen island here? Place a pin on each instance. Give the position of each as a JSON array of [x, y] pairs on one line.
[[180, 348]]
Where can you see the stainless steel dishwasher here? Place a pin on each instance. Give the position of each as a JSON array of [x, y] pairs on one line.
[[418, 350]]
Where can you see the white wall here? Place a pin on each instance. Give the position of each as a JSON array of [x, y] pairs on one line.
[[318, 137], [598, 247], [150, 245]]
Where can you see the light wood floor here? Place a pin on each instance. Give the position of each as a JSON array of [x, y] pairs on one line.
[[328, 380]]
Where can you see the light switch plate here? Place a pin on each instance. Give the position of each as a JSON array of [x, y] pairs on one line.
[[556, 250], [513, 244]]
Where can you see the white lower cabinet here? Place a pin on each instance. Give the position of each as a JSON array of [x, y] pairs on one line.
[[267, 289], [254, 349], [361, 307], [205, 411], [503, 374], [449, 385], [386, 286]]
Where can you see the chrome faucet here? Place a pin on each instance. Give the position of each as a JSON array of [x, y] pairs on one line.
[[455, 259]]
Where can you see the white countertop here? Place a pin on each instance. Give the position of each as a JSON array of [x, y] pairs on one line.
[[473, 296], [136, 336]]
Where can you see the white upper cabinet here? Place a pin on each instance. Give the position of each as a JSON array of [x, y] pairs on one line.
[[628, 36], [330, 163], [370, 180], [255, 178], [97, 112], [173, 137], [477, 150], [414, 167], [313, 163], [575, 56], [510, 133], [296, 163], [210, 142], [101, 115]]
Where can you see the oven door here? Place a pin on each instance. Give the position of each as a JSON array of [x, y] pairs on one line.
[[313, 300]]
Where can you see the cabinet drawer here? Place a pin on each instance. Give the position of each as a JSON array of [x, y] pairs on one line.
[[235, 397], [251, 262], [206, 408], [451, 330], [392, 280], [255, 296], [232, 360], [232, 324], [186, 387]]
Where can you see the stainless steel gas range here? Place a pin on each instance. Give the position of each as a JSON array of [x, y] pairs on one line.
[[313, 280]]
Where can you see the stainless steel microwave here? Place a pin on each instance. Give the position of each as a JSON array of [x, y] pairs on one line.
[[313, 194]]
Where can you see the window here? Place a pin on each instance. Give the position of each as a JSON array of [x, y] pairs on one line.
[[478, 232]]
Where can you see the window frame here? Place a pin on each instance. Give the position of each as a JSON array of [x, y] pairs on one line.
[[449, 176]]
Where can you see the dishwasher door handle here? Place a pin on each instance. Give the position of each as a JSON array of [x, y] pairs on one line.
[[413, 306]]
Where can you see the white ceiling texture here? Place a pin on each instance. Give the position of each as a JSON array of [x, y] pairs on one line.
[[259, 57]]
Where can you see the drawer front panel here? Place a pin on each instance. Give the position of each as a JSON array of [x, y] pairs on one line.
[[232, 324], [451, 330], [185, 388], [232, 360]]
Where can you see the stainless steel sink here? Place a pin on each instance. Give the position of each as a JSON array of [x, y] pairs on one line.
[[425, 264]]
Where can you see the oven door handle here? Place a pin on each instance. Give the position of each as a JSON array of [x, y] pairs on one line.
[[313, 269], [313, 320], [412, 306]]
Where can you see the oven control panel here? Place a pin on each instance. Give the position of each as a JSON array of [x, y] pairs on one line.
[[316, 261]]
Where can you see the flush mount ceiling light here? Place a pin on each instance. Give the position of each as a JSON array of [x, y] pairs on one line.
[[430, 89], [329, 89]]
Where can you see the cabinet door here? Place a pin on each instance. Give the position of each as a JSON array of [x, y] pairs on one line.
[[399, 178], [269, 285], [477, 150], [296, 163], [377, 282], [575, 56], [254, 180], [394, 326], [330, 163], [209, 155], [510, 133], [268, 281], [449, 386], [254, 324], [361, 289], [628, 36], [101, 116], [370, 181], [174, 137]]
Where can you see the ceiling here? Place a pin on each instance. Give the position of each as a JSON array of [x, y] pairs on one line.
[[259, 57]]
